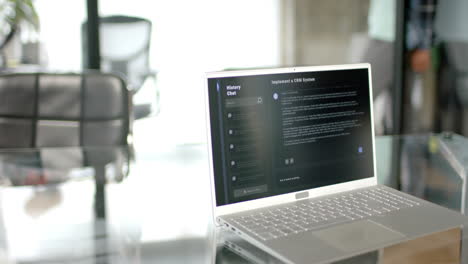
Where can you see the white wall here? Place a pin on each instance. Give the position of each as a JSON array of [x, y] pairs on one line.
[[189, 39], [60, 32]]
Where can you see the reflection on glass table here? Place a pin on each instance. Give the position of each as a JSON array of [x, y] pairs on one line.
[[432, 167], [161, 211], [45, 181], [51, 166]]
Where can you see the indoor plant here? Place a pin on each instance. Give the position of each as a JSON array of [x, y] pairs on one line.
[[15, 14]]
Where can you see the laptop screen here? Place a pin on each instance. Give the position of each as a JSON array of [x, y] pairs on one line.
[[285, 132]]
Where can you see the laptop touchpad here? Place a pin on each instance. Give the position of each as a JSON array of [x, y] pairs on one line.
[[357, 235]]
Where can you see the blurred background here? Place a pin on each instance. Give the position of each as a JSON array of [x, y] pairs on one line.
[[418, 85], [418, 51]]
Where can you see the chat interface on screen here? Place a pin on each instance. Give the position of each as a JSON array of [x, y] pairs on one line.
[[279, 133]]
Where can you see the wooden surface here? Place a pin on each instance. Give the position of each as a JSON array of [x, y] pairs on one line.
[[441, 248]]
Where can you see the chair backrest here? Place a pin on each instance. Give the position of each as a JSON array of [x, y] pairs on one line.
[[124, 47], [66, 109]]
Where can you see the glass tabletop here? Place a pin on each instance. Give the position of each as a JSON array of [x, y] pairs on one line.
[[153, 205]]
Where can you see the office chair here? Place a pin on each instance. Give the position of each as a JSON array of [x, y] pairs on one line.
[[49, 111], [124, 47], [61, 125]]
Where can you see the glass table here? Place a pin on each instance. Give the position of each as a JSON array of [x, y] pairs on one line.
[[153, 205]]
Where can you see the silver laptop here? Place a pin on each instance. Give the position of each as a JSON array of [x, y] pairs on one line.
[[293, 165]]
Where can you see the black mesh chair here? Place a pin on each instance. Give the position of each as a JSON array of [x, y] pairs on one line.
[[124, 48], [49, 111]]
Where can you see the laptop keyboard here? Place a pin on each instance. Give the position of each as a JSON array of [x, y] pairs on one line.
[[310, 214]]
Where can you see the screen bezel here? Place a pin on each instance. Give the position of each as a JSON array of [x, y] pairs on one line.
[[288, 197]]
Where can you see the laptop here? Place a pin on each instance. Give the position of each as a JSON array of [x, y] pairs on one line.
[[248, 253], [292, 165]]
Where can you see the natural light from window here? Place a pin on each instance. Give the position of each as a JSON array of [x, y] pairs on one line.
[[189, 39]]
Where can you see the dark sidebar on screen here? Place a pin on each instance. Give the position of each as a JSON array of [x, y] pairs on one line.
[[279, 133]]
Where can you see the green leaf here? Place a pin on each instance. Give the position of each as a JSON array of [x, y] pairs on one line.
[[21, 11]]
